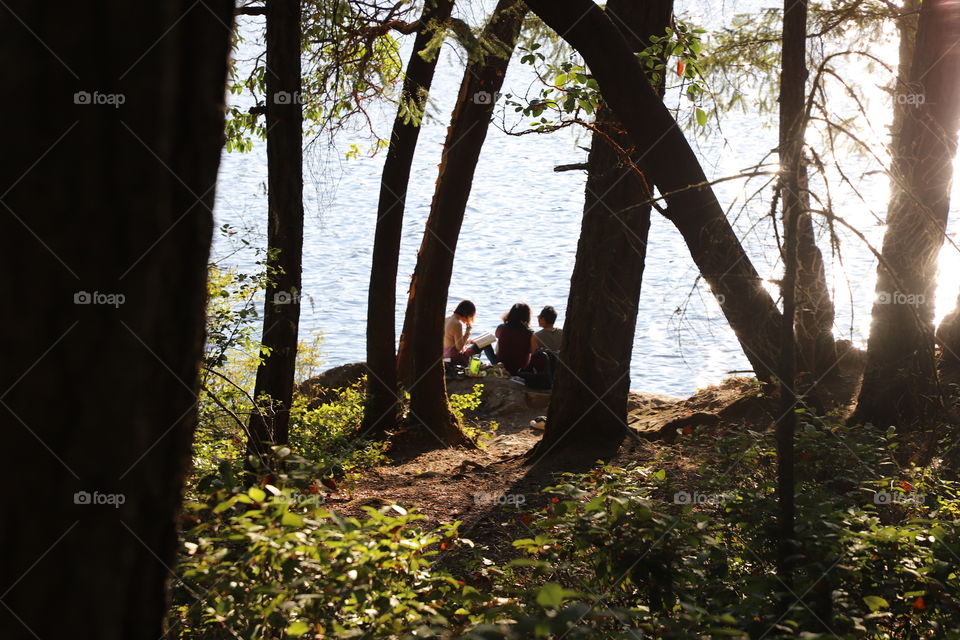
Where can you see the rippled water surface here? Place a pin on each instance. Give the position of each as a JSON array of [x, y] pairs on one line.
[[520, 234]]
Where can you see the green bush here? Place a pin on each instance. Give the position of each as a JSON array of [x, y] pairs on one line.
[[329, 434], [635, 551], [264, 563]]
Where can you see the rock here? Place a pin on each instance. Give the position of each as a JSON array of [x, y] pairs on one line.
[[500, 396], [323, 388]]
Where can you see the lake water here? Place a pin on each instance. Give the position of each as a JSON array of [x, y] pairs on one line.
[[521, 228]]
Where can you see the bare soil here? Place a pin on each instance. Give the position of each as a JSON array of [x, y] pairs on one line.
[[484, 487]]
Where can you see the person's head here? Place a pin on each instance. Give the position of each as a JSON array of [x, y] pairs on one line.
[[548, 315], [519, 314], [466, 310]]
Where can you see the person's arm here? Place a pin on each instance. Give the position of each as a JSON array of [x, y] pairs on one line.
[[534, 343]]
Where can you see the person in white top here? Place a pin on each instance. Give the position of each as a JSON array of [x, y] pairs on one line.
[[458, 347]]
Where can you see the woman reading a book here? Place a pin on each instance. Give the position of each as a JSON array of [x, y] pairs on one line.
[[458, 346], [515, 339]]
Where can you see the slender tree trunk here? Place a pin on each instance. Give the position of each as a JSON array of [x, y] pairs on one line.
[[899, 385], [817, 352], [106, 215], [383, 406], [589, 403], [465, 136], [281, 318], [793, 77], [673, 167]]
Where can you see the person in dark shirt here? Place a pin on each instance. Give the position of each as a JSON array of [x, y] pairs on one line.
[[515, 339]]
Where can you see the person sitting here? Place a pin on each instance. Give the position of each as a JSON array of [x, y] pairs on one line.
[[515, 339], [458, 347], [550, 337]]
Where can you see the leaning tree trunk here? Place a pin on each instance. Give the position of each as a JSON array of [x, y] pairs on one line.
[[673, 167], [899, 383], [273, 389], [106, 216], [383, 407], [589, 402], [428, 294]]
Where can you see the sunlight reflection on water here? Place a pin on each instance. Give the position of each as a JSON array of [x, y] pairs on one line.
[[520, 235]]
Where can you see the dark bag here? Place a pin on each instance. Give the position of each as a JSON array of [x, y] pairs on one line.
[[543, 367]]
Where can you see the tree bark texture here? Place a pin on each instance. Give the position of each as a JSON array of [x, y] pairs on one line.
[[482, 81], [383, 406], [589, 402], [273, 389], [900, 384], [118, 127]]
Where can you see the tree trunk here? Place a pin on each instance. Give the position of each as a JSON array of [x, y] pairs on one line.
[[673, 167], [468, 130], [817, 352], [589, 402], [383, 406], [281, 317], [907, 32], [106, 214], [899, 384], [793, 75]]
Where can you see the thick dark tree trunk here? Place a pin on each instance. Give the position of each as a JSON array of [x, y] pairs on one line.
[[106, 217], [899, 384], [281, 317], [383, 405], [907, 32], [428, 294], [673, 167], [793, 75], [589, 403]]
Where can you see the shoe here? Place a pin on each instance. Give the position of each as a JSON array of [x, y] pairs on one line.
[[539, 423]]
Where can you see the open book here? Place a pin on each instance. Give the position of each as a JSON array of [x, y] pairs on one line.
[[485, 339]]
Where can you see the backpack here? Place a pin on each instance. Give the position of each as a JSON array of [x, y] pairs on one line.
[[542, 369]]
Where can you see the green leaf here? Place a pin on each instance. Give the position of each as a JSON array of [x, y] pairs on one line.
[[298, 629], [701, 117], [257, 494], [550, 595], [291, 520], [875, 602]]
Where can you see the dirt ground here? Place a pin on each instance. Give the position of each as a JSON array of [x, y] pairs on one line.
[[483, 487]]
